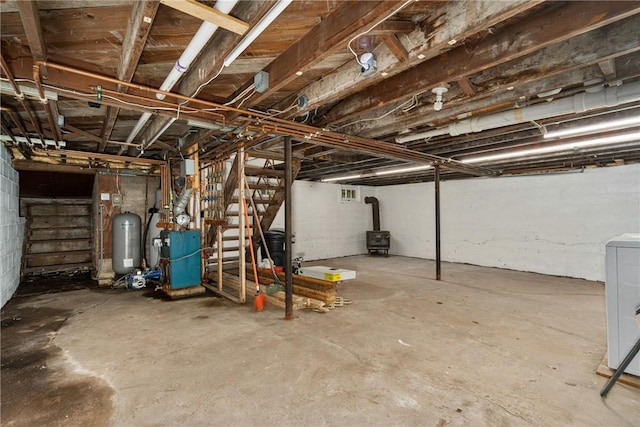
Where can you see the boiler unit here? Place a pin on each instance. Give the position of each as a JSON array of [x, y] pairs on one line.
[[180, 259], [126, 242], [377, 240]]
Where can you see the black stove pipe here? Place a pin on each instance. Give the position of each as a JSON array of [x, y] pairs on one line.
[[376, 212]]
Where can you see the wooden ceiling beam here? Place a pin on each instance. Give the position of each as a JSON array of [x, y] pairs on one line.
[[30, 17], [608, 68], [395, 46], [340, 27], [542, 30], [571, 63], [209, 62], [393, 27], [466, 86], [209, 14], [141, 19], [453, 20]]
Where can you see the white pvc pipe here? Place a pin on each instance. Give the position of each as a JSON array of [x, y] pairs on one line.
[[266, 20], [197, 43], [579, 103]]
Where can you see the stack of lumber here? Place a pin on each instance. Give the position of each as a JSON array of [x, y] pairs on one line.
[[277, 299], [309, 287]]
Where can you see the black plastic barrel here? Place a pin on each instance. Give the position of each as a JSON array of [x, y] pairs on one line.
[[274, 240]]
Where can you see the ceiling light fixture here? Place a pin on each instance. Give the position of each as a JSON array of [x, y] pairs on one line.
[[368, 64], [403, 170], [341, 178], [628, 137], [256, 30], [439, 91], [581, 130], [203, 125]]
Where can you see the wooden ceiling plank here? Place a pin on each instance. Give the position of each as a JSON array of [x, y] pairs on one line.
[[208, 63], [466, 86], [209, 14], [340, 27], [30, 17], [460, 20], [572, 63], [393, 27], [143, 14], [608, 68], [395, 46], [540, 31], [90, 136]]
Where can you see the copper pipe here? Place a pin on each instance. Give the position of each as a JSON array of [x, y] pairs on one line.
[[55, 131], [287, 127], [20, 98]]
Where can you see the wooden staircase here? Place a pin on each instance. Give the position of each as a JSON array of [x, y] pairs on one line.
[[264, 175]]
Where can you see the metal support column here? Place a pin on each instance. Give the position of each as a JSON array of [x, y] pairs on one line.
[[288, 225], [437, 204]]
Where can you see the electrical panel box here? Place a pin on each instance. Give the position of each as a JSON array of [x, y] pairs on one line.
[[183, 250], [261, 81], [623, 299], [187, 167]]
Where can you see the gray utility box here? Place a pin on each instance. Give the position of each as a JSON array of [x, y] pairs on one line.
[[623, 299]]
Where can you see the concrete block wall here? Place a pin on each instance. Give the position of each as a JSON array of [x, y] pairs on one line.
[[11, 227], [552, 224]]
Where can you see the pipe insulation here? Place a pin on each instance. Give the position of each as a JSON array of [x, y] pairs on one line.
[[580, 103]]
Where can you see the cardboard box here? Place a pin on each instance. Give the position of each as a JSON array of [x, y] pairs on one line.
[[327, 273]]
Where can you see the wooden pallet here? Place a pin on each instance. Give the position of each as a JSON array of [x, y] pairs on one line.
[[605, 371]]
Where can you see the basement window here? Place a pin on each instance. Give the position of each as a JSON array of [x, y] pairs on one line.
[[349, 194]]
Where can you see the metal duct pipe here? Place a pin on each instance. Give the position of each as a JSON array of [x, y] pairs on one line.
[[579, 103], [376, 211]]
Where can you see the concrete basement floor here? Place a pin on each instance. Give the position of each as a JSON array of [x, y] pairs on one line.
[[483, 347]]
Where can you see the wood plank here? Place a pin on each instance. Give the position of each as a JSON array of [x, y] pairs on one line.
[[53, 246], [460, 20], [59, 258], [605, 371], [184, 292], [59, 222], [59, 233], [466, 86], [143, 13], [209, 14], [337, 29], [257, 171], [395, 46], [59, 210], [538, 32], [57, 268], [30, 17]]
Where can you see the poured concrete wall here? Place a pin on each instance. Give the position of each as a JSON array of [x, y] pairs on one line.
[[553, 224], [11, 227], [325, 226]]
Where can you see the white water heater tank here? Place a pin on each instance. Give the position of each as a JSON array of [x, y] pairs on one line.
[[126, 242]]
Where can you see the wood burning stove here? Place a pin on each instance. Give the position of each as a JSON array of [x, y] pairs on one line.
[[377, 240]]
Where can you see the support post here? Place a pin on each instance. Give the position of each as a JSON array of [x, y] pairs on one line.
[[437, 204], [242, 247], [288, 178]]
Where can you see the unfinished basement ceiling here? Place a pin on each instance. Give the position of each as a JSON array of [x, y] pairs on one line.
[[513, 70]]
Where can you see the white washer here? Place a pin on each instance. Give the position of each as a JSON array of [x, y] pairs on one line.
[[623, 299]]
